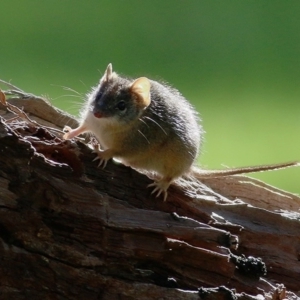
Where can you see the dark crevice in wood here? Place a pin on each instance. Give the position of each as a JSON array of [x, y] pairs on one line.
[[70, 230]]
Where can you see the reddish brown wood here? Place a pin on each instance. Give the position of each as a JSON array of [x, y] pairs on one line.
[[69, 230]]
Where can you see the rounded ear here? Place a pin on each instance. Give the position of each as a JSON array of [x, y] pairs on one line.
[[108, 74], [141, 88]]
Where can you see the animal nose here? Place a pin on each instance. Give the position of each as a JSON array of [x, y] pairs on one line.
[[98, 114]]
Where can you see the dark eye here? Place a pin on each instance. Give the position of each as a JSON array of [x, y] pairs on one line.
[[121, 105], [99, 95]]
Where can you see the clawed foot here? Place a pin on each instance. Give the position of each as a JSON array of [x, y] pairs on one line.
[[103, 156], [160, 187]]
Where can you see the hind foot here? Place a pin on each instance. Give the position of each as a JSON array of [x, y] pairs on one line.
[[161, 187]]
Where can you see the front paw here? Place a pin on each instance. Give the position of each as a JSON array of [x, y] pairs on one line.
[[66, 130], [103, 155], [71, 133]]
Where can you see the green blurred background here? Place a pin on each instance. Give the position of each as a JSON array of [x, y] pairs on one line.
[[237, 61]]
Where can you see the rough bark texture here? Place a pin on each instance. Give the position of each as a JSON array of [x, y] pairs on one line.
[[69, 230]]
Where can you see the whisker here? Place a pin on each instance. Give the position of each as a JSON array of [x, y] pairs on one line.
[[144, 136], [68, 89], [72, 90], [82, 83], [62, 96], [156, 124], [71, 103], [143, 122]]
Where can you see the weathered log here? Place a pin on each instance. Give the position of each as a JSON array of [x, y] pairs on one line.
[[70, 230]]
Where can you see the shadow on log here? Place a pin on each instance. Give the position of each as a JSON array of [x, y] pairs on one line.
[[70, 230]]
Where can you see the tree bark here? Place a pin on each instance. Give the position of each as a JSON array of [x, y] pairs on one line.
[[70, 230]]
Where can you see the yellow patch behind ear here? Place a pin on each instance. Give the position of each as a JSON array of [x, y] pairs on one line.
[[141, 88]]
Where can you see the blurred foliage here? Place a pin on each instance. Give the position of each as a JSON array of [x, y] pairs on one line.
[[238, 62]]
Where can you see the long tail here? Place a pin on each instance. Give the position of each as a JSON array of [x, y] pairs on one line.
[[198, 173]]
